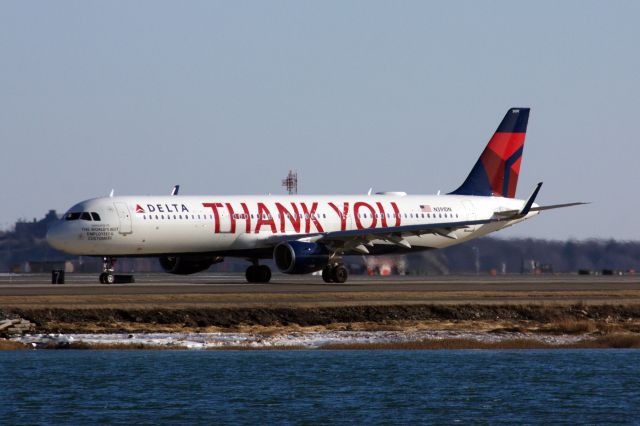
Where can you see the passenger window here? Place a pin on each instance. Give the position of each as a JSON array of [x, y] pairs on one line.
[[73, 216], [85, 216]]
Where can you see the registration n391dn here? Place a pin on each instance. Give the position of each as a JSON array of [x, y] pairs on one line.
[[303, 234]]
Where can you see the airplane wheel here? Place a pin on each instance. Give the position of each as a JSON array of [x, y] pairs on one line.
[[340, 274], [102, 278], [251, 274], [109, 279], [327, 274], [264, 274], [258, 274]]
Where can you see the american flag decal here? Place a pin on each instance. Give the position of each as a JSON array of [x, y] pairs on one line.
[[425, 208]]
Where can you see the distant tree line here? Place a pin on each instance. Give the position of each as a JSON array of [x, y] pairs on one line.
[[527, 255]]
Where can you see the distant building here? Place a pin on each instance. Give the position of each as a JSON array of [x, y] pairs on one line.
[[37, 228]]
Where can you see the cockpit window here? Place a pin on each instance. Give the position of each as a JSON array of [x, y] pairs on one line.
[[85, 216], [72, 216], [95, 216]]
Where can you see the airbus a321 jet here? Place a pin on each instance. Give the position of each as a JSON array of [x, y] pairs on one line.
[[302, 234]]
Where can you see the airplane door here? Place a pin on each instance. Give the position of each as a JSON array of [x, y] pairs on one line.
[[125, 217]]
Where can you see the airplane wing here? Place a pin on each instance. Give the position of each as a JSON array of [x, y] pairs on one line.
[[357, 239]]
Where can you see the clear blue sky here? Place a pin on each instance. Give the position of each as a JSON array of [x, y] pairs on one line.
[[226, 97]]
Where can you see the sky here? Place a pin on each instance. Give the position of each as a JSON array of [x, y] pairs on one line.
[[226, 97]]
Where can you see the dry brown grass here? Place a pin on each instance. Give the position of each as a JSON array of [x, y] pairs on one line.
[[617, 341], [570, 326], [449, 344], [10, 345], [110, 346], [614, 341], [257, 348]]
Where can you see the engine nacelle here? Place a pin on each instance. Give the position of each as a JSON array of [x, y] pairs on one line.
[[297, 257], [185, 265]]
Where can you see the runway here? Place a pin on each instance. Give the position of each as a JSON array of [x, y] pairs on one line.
[[229, 290]]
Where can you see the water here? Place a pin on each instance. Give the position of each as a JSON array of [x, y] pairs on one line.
[[320, 387]]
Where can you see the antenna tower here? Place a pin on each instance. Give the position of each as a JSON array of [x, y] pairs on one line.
[[291, 182]]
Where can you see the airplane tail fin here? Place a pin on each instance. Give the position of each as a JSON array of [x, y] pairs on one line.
[[496, 171]]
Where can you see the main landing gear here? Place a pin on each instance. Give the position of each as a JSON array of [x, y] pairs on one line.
[[335, 273], [108, 277], [258, 273]]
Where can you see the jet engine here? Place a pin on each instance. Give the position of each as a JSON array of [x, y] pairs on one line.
[[185, 265], [297, 257]]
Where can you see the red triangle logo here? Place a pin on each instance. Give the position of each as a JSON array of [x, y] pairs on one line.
[[139, 209]]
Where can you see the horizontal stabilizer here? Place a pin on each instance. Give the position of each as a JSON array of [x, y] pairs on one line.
[[555, 206], [515, 214]]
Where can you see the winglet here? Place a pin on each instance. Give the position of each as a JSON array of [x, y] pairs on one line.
[[527, 207], [175, 190]]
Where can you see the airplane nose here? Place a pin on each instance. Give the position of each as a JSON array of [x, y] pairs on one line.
[[55, 236]]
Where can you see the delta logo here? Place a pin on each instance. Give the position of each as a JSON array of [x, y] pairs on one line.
[[162, 208]]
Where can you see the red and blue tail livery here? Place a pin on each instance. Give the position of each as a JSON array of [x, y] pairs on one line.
[[496, 171]]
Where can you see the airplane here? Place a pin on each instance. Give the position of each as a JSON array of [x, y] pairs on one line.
[[302, 234]]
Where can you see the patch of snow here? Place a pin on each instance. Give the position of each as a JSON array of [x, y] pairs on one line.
[[301, 339]]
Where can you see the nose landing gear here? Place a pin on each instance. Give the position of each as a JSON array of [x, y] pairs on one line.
[[108, 277]]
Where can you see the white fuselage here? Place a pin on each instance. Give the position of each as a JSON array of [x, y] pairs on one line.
[[156, 225]]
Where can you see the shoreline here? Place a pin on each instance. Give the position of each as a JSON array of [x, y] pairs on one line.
[[413, 326], [303, 341]]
